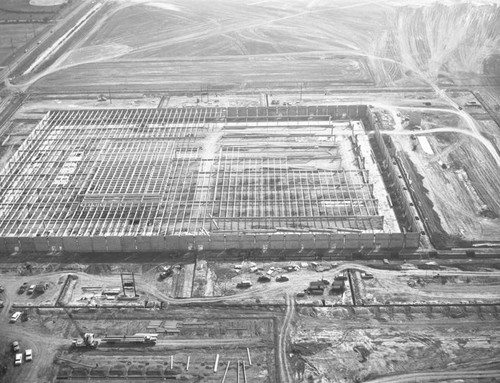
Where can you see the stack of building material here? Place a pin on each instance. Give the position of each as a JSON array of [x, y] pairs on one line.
[[154, 325], [170, 327]]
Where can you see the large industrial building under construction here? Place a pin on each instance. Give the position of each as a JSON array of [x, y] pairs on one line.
[[204, 178]]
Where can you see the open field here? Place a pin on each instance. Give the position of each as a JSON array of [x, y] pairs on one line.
[[14, 36], [255, 45]]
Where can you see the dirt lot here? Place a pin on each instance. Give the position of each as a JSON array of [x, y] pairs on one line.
[[362, 344], [215, 317], [456, 181]]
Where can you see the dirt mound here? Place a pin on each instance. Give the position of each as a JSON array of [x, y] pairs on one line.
[[98, 269]]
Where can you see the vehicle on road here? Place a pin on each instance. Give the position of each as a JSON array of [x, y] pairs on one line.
[[28, 355], [14, 317], [15, 346], [18, 360]]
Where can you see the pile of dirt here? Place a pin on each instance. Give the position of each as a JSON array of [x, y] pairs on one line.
[[98, 269]]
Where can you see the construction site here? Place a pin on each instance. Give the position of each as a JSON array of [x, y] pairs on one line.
[[249, 192], [201, 178]]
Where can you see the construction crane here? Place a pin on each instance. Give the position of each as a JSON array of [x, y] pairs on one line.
[[87, 338]]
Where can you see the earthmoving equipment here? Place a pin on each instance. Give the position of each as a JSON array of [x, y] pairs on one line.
[[88, 340], [166, 272]]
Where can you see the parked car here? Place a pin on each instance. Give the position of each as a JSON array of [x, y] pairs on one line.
[[15, 346], [244, 285], [1, 304], [14, 317], [18, 360], [1, 289], [31, 289], [28, 355], [282, 278], [23, 288]]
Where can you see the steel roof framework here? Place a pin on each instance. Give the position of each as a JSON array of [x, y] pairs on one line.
[[130, 172]]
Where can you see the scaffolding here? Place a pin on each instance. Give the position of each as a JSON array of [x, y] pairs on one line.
[[183, 171]]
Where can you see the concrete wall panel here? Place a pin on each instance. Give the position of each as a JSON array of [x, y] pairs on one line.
[[3, 246], [84, 244], [232, 241], [322, 241], [396, 241], [55, 244], [157, 243], [128, 244], [307, 241], [186, 242], [143, 243], [12, 244], [352, 241], [338, 241], [247, 241], [114, 244], [99, 244], [217, 242], [172, 242], [277, 242], [70, 244], [202, 242], [367, 240], [27, 245], [382, 240], [292, 241], [412, 240]]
